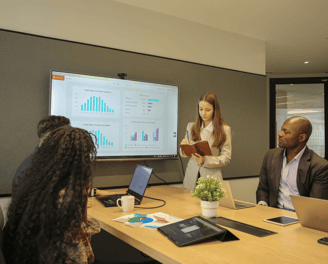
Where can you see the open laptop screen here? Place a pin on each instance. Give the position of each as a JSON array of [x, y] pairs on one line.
[[139, 181]]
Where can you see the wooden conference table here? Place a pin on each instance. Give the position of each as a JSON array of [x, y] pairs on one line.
[[292, 244]]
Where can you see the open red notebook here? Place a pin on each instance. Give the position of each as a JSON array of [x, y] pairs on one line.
[[201, 147]]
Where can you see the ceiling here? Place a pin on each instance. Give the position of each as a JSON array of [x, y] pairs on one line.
[[295, 31]]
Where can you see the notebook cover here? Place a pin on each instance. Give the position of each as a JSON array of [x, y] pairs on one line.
[[201, 148]]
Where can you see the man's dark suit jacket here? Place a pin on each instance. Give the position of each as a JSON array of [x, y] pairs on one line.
[[312, 176]]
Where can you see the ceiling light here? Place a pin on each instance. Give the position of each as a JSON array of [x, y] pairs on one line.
[[302, 111], [296, 102], [278, 97], [306, 62]]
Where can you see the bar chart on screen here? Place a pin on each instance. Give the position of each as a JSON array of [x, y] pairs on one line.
[[145, 137], [91, 102], [106, 135], [142, 134]]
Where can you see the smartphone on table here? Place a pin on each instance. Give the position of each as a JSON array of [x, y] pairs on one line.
[[282, 220], [323, 240]]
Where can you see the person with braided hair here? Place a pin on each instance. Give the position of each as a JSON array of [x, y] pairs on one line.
[[47, 221], [44, 127]]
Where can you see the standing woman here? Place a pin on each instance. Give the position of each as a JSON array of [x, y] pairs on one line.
[[209, 126], [47, 221]]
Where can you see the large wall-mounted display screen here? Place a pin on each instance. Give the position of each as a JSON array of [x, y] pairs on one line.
[[129, 118]]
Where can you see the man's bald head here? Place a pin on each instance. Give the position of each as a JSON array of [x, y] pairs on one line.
[[301, 124]]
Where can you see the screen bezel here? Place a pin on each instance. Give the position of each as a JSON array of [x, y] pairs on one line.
[[124, 157]]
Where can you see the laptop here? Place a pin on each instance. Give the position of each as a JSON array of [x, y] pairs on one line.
[[311, 212], [136, 188], [229, 202]]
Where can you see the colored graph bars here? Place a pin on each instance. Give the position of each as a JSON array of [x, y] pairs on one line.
[[101, 140], [96, 104], [144, 136], [150, 103], [134, 137], [155, 135]]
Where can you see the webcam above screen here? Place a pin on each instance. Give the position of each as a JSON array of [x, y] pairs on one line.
[[130, 119]]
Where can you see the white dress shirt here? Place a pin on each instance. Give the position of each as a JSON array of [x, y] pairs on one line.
[[288, 181], [204, 132]]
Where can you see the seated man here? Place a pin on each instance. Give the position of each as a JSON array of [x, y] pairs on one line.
[[293, 168], [45, 126]]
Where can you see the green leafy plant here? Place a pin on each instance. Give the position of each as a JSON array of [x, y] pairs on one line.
[[209, 189]]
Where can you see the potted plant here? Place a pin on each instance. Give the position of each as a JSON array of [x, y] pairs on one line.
[[209, 191]]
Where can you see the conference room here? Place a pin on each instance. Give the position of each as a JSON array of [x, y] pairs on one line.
[[237, 50]]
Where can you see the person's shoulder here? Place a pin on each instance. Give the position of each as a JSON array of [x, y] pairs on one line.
[[226, 128], [274, 152], [190, 124], [24, 165], [315, 158], [35, 150]]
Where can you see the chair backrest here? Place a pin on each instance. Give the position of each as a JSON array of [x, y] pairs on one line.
[[2, 260], [2, 219]]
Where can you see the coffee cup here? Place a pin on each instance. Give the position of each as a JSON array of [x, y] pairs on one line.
[[127, 202]]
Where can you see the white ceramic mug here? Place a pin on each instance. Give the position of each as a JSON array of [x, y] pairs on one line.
[[127, 202]]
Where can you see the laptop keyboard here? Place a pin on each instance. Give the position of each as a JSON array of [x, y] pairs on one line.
[[110, 200], [242, 205]]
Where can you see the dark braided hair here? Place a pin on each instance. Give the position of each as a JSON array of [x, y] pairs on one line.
[[39, 216], [49, 123]]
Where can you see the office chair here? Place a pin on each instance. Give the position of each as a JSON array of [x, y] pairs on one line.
[[2, 260], [2, 219], [109, 249]]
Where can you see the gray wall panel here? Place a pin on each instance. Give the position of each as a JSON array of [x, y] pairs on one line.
[[25, 64]]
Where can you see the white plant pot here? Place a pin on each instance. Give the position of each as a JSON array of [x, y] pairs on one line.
[[209, 209]]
